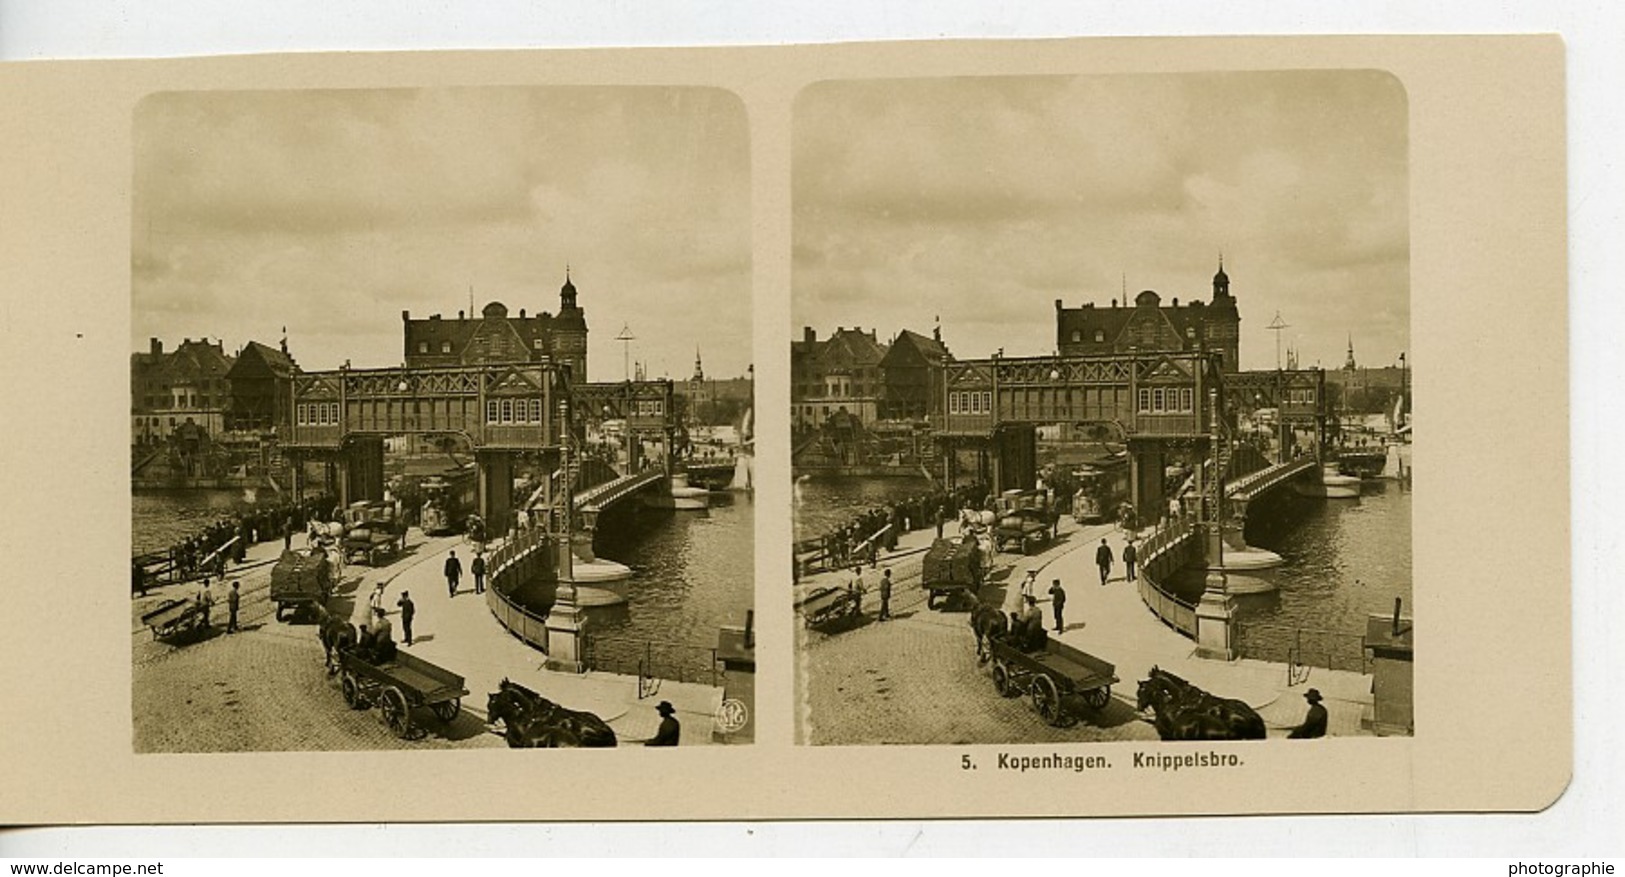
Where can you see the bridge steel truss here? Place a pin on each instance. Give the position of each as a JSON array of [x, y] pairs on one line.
[[503, 411], [1150, 402], [1297, 395]]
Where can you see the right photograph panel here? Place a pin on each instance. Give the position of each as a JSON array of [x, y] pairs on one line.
[[1101, 408]]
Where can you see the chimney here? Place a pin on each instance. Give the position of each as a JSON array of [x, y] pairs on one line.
[[406, 315], [434, 316], [1057, 304], [1114, 302], [808, 334], [157, 347], [459, 315], [521, 313], [1176, 301]]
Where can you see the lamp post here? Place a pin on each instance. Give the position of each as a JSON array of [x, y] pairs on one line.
[[1215, 613]]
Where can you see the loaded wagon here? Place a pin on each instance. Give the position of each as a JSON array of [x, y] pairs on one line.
[[301, 580], [825, 605], [398, 686], [1026, 520], [373, 533], [1060, 679], [952, 570], [176, 619]]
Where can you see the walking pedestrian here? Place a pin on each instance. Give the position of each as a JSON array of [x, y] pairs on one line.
[[670, 729], [477, 567], [855, 587], [454, 572], [1130, 555], [1057, 602], [1314, 722], [287, 532], [233, 598], [205, 598], [1103, 559], [885, 595], [408, 610]]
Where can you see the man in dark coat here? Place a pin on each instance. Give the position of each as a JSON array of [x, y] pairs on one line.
[[477, 567], [1129, 557], [1103, 559], [1314, 723], [233, 598], [670, 728], [1057, 602], [885, 595], [454, 572], [408, 610]]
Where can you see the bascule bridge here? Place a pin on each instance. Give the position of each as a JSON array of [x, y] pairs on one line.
[[504, 412]]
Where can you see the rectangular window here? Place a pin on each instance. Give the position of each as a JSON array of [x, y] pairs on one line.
[[953, 403], [332, 413], [535, 411], [1157, 400], [1145, 400], [491, 411], [1185, 399], [299, 415], [507, 411]]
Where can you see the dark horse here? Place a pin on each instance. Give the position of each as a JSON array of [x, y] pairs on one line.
[[337, 635], [988, 623], [532, 721], [1185, 712]]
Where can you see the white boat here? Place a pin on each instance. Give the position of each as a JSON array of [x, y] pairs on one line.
[[681, 496]]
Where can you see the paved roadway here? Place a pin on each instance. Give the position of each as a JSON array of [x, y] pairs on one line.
[[265, 689], [915, 679]]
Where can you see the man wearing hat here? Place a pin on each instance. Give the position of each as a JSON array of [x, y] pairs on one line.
[[1103, 559], [670, 729], [1314, 724]]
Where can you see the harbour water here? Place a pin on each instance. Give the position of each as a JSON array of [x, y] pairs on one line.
[[822, 504], [160, 518]]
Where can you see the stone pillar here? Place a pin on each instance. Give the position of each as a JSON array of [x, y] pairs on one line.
[[1216, 612], [566, 634]]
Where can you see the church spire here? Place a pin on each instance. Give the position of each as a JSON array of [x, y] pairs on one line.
[[699, 371]]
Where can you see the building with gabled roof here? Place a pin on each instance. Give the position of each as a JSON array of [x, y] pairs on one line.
[[189, 385], [1151, 326], [262, 388], [495, 336], [912, 375], [837, 376]]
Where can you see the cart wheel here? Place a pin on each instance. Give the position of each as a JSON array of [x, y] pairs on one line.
[[1001, 680], [1046, 700], [352, 692], [1098, 698], [931, 600], [447, 710], [396, 714]]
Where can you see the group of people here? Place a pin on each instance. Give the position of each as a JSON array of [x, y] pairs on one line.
[[861, 538], [228, 537], [205, 602]]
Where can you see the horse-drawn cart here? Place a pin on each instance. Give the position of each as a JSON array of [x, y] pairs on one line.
[[175, 619], [951, 571], [301, 580], [398, 686], [1060, 679], [825, 605]]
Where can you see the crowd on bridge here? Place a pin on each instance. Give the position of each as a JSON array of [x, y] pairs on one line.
[[863, 535], [206, 551]]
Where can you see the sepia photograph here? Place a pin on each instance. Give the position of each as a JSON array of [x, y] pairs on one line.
[[441, 408], [1101, 408]]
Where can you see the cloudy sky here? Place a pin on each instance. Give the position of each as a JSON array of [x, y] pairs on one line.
[[983, 200], [330, 212]]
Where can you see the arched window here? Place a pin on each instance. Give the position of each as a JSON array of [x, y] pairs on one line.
[[423, 347], [1100, 336], [1077, 335], [445, 347]]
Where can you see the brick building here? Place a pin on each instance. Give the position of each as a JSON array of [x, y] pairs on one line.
[[187, 389], [837, 376], [1149, 325], [496, 336]]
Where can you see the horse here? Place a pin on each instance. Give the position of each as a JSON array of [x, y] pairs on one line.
[[1184, 712], [337, 636], [532, 721], [988, 623]]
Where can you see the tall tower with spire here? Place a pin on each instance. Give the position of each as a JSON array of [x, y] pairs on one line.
[[1222, 321], [699, 370], [1348, 364], [570, 331]]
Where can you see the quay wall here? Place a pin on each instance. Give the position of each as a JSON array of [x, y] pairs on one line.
[[528, 557]]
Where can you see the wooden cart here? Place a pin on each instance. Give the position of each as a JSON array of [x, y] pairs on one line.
[[825, 605], [951, 572], [398, 686], [175, 619], [1061, 680]]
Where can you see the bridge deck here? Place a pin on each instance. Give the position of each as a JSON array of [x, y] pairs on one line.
[[595, 499], [1250, 486]]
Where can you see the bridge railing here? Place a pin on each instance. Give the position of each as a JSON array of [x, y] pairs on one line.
[[1299, 647], [1171, 610], [513, 559], [653, 659]]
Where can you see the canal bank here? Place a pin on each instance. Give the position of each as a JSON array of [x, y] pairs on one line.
[[841, 673]]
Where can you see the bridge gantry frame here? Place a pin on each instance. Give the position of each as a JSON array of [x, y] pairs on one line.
[[504, 411], [1153, 403]]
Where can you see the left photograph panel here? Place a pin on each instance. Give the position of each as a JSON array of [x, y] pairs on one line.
[[441, 419]]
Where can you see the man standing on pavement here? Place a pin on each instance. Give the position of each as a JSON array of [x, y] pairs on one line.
[[376, 601], [477, 567], [885, 595], [1057, 598], [855, 587], [408, 609], [1129, 557], [233, 597], [1103, 559], [454, 572], [205, 598]]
